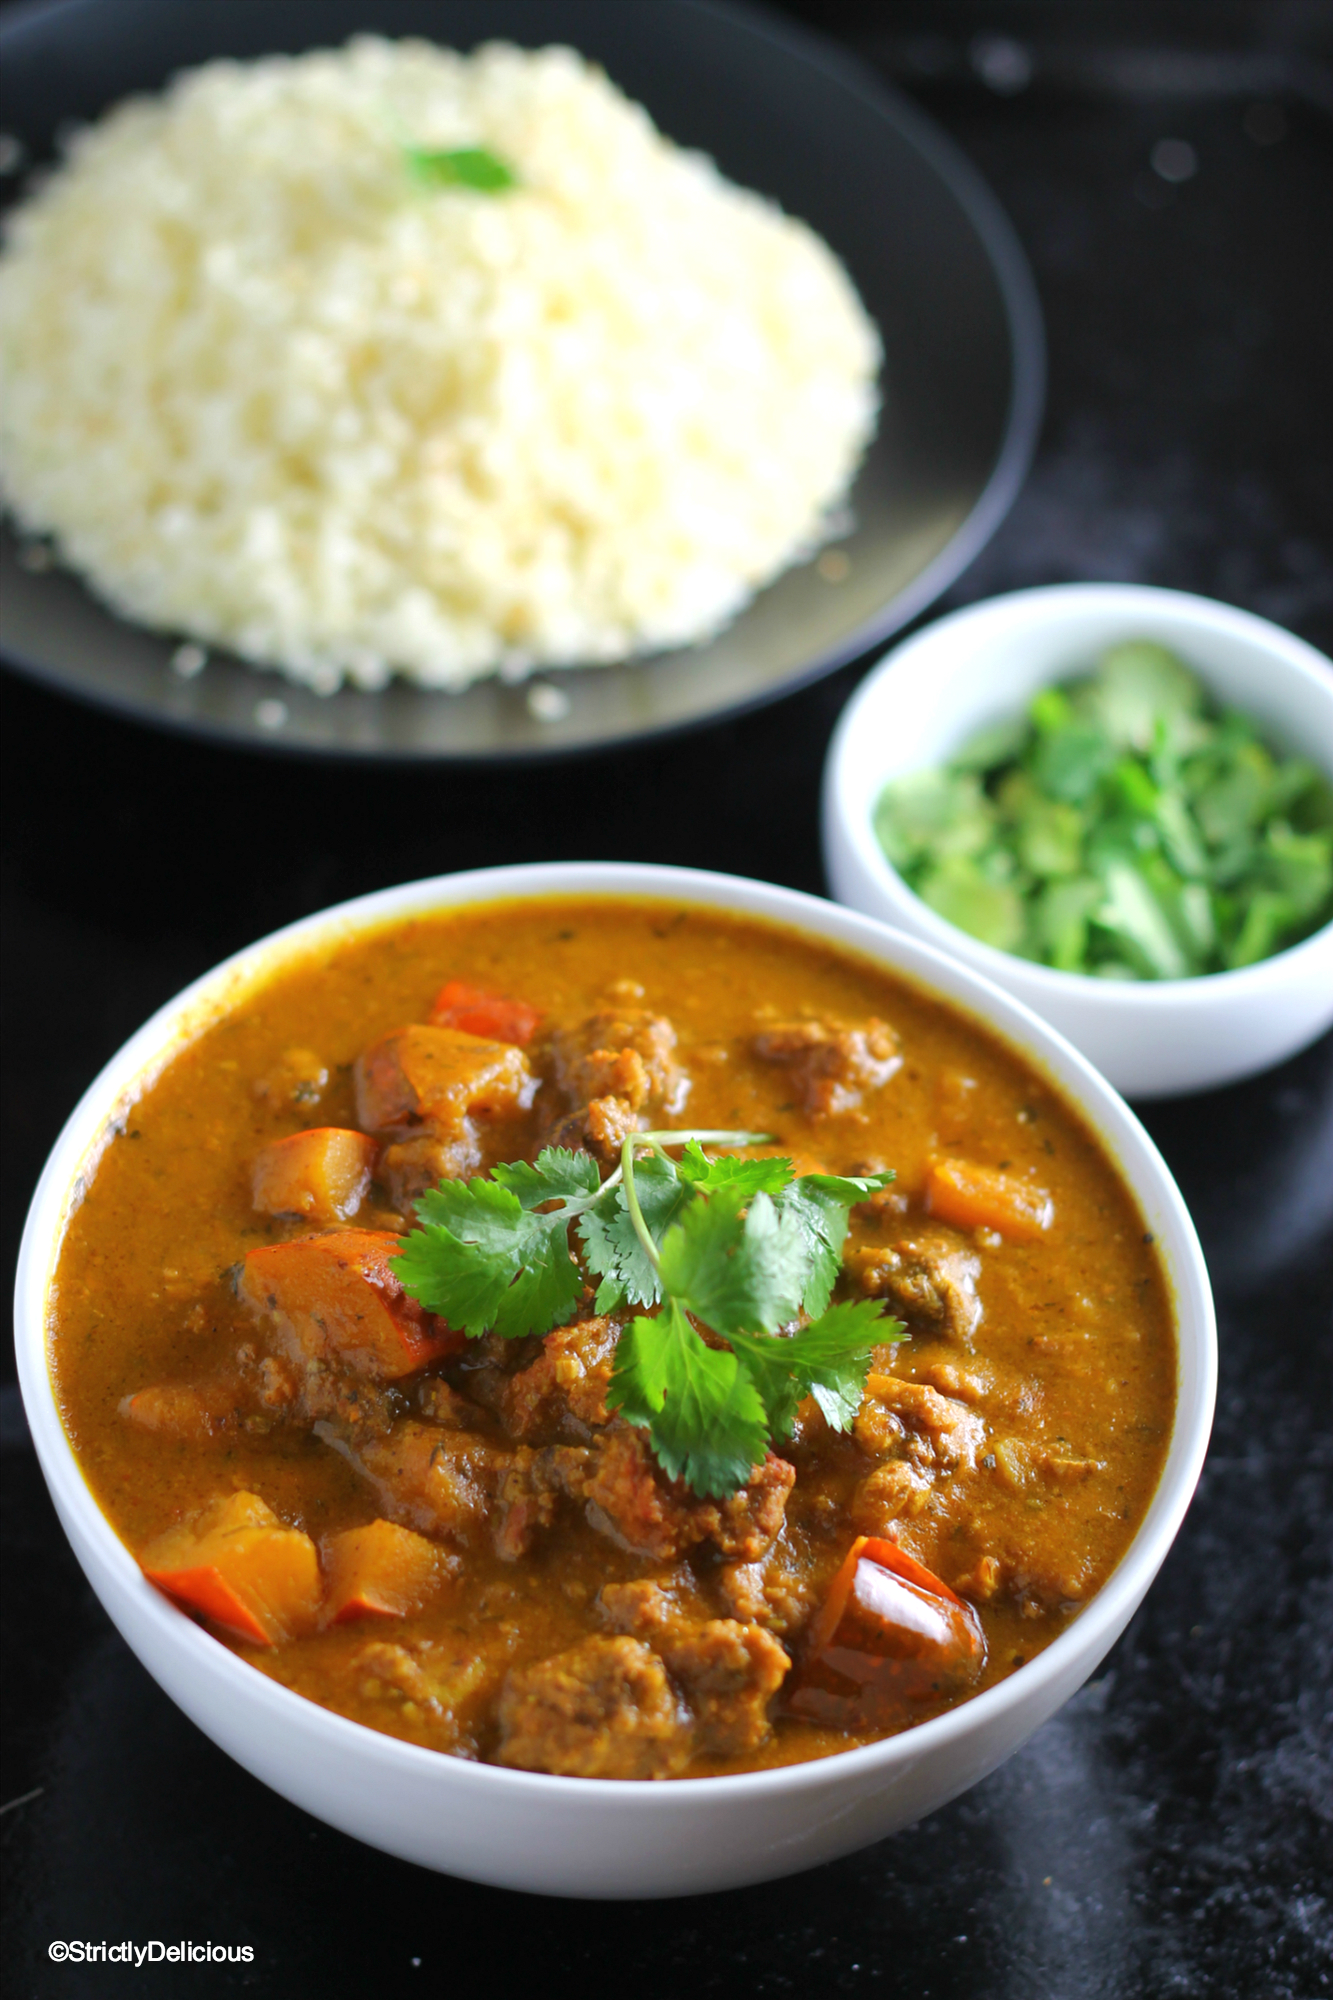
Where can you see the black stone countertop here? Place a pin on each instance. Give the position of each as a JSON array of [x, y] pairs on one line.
[[1167, 1834]]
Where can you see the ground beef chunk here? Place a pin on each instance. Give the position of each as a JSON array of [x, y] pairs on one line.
[[383, 1667], [228, 1400], [406, 1170], [776, 1592], [612, 1070], [483, 1369], [981, 1582], [529, 1493], [929, 1278], [324, 1394], [651, 1609], [727, 1671], [947, 1431], [441, 1405], [608, 1122], [890, 1491], [604, 1709], [832, 1068], [623, 1052], [1062, 1469], [252, 1395], [443, 1682], [1029, 1579], [969, 1385], [630, 1499], [440, 1482], [562, 1394]]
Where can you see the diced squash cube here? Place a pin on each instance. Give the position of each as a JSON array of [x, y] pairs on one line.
[[439, 1077], [888, 1638], [973, 1197], [379, 1571], [241, 1568], [458, 1005], [344, 1304], [321, 1175]]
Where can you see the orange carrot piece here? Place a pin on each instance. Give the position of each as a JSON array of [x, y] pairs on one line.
[[238, 1566], [973, 1197], [379, 1571], [888, 1637], [458, 1005], [342, 1301], [438, 1077], [322, 1175]]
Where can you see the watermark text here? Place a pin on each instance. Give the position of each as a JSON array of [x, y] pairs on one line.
[[156, 1951]]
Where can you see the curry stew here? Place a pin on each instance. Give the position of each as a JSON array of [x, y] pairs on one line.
[[451, 1539]]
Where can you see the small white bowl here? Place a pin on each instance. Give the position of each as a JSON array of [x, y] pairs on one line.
[[591, 1837], [926, 697]]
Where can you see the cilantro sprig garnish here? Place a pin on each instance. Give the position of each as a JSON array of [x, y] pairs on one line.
[[741, 1248], [460, 166]]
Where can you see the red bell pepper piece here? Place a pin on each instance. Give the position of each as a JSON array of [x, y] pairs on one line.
[[889, 1638], [458, 1005]]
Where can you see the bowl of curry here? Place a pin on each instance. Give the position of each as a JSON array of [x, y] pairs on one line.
[[612, 1380]]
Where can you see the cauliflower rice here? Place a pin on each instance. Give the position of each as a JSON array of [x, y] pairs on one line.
[[264, 388]]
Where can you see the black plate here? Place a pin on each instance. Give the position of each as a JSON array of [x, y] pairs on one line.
[[929, 248]]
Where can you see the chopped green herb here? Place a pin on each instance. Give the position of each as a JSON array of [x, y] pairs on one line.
[[957, 890], [740, 1247], [486, 1261], [460, 166], [1125, 826], [1060, 916]]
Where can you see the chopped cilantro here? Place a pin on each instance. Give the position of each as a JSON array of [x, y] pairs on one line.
[[1124, 827]]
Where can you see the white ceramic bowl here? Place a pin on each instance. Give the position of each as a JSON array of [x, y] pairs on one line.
[[1154, 1038], [586, 1837]]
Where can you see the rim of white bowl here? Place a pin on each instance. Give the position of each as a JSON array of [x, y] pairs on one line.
[[1045, 605], [1070, 1074]]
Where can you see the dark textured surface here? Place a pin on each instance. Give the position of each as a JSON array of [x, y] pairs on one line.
[[1170, 1832]]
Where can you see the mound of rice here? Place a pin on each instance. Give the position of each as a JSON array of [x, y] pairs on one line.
[[265, 388]]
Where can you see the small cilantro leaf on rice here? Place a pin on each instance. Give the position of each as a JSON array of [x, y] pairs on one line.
[[461, 166]]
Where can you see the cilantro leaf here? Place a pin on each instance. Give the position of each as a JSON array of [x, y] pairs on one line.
[[611, 1242], [485, 1261], [559, 1175], [827, 1360], [833, 1353], [735, 1244], [765, 1176], [702, 1412], [818, 1205], [664, 1187], [732, 1270], [460, 166]]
